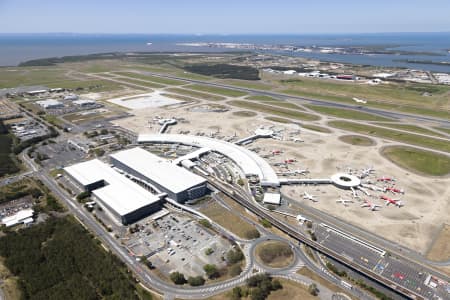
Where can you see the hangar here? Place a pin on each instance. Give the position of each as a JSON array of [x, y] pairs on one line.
[[126, 200], [179, 184]]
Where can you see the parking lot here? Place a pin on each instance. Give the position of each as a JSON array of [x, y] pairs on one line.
[[177, 242]]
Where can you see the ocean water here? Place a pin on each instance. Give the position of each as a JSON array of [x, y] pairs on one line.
[[16, 48]]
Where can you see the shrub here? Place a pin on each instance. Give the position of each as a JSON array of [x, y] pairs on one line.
[[177, 278]]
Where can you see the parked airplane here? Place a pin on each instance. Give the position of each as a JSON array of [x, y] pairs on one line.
[[297, 140], [366, 172], [394, 190], [276, 152], [308, 196], [357, 100], [354, 194], [388, 201], [344, 201], [373, 187], [386, 179], [370, 205], [301, 219], [364, 190]]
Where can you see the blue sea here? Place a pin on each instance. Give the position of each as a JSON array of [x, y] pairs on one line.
[[16, 48]]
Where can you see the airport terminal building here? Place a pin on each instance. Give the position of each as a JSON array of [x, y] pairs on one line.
[[178, 183], [126, 200]]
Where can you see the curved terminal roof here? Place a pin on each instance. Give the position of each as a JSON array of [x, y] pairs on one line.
[[345, 181], [250, 162]]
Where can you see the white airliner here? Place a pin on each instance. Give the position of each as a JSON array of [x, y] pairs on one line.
[[366, 172], [357, 100], [297, 140], [354, 194], [370, 205], [344, 201], [308, 196]]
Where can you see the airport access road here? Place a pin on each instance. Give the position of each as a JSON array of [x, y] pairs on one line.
[[376, 111], [395, 284], [147, 278]]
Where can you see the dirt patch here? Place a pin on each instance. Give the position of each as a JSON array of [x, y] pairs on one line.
[[440, 250]]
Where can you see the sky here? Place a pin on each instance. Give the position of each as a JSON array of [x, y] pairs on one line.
[[224, 17]]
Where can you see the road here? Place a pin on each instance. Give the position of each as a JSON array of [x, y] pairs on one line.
[[395, 285], [376, 111], [147, 278]]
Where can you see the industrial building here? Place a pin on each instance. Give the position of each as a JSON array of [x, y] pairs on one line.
[[50, 103], [126, 200], [272, 198], [24, 216], [179, 184]]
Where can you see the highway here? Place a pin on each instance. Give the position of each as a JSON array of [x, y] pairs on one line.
[[294, 233], [377, 111]]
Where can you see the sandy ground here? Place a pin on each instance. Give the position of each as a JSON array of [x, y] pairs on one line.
[[414, 225]]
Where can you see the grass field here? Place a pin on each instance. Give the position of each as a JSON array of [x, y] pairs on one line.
[[440, 251], [282, 112], [413, 108], [247, 84], [401, 93], [446, 130], [419, 161], [244, 113], [13, 77], [140, 82], [278, 120], [316, 128], [227, 219], [391, 134], [216, 90], [274, 254], [154, 79], [195, 94], [346, 113], [308, 273], [357, 140], [411, 128], [262, 98], [291, 291]]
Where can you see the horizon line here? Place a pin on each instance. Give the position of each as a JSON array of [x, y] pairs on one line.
[[224, 34]]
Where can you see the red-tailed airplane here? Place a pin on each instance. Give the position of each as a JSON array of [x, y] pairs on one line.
[[394, 190], [388, 201], [370, 205], [276, 152], [385, 179]]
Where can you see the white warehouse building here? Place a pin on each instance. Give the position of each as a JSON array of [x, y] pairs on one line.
[[178, 183], [126, 200]]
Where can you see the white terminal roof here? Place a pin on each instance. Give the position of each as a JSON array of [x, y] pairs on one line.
[[272, 198], [49, 102], [250, 162], [121, 194], [168, 175]]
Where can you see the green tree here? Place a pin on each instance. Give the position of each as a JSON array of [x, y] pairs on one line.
[[211, 271], [196, 281], [177, 278], [313, 290], [235, 270]]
